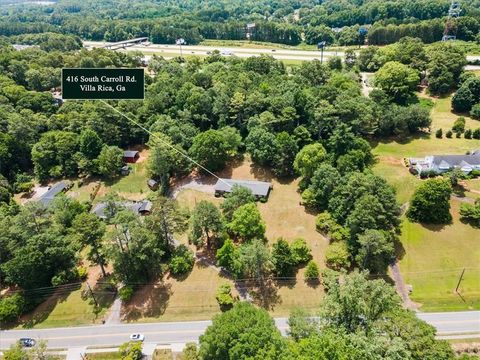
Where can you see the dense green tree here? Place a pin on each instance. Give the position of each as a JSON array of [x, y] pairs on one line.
[[228, 257], [244, 332], [431, 202], [467, 95], [301, 325], [110, 160], [206, 225], [210, 149], [131, 350], [324, 180], [90, 144], [261, 145], [53, 155], [247, 223], [182, 260], [238, 196], [356, 303], [309, 159], [89, 230], [375, 250], [338, 256], [282, 258], [471, 213], [256, 260], [445, 65], [397, 80]]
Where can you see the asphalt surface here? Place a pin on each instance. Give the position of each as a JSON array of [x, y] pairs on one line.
[[169, 51], [464, 324]]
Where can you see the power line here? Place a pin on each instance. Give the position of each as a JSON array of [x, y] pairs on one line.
[[165, 143]]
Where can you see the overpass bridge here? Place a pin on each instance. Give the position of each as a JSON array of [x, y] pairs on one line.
[[123, 44]]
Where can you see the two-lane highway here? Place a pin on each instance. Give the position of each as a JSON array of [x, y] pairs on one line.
[[465, 324]]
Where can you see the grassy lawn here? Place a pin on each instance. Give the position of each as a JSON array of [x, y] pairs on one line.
[[65, 308], [192, 298], [104, 356], [284, 217], [434, 256]]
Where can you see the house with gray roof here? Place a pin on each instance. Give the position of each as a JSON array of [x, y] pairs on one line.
[[260, 189], [443, 163], [104, 210], [54, 190]]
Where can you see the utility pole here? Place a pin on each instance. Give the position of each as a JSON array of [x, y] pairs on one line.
[[93, 296], [460, 280], [321, 46], [180, 42]]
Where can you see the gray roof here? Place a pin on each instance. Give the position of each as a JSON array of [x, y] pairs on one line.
[[151, 182], [130, 153], [259, 188], [135, 206], [457, 160], [55, 189]]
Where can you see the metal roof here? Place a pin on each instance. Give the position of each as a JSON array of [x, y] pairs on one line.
[[55, 189], [130, 153], [135, 206], [258, 188]]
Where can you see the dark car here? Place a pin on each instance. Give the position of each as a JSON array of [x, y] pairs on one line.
[[27, 342]]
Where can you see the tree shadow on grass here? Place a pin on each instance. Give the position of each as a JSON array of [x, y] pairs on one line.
[[402, 140], [265, 294], [148, 301], [47, 300], [434, 227]]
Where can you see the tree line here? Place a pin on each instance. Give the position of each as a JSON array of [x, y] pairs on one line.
[[287, 22]]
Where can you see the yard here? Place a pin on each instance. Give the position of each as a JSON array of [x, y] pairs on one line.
[[193, 298], [434, 255]]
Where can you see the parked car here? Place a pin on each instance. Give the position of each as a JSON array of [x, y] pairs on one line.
[[27, 342], [137, 337]]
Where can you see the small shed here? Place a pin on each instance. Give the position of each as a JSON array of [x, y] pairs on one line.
[[260, 189], [130, 156], [125, 170], [152, 184]]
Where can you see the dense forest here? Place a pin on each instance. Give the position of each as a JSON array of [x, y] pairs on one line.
[[310, 121], [347, 22]]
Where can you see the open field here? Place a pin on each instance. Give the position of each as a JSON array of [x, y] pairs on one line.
[[434, 255]]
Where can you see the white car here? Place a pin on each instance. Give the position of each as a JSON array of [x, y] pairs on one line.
[[137, 337]]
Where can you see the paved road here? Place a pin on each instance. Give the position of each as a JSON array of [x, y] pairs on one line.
[[464, 324], [174, 50]]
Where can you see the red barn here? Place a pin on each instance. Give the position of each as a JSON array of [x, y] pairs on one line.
[[130, 156]]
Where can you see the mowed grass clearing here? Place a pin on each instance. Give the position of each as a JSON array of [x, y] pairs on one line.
[[284, 217], [434, 255]]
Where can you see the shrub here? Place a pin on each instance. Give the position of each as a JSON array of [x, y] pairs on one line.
[[459, 125], [11, 307], [449, 134], [131, 350], [82, 272], [24, 187], [458, 135], [475, 112], [182, 261], [439, 133], [300, 251], [126, 293], [224, 297], [476, 133], [312, 272], [64, 277], [337, 255], [467, 134]]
